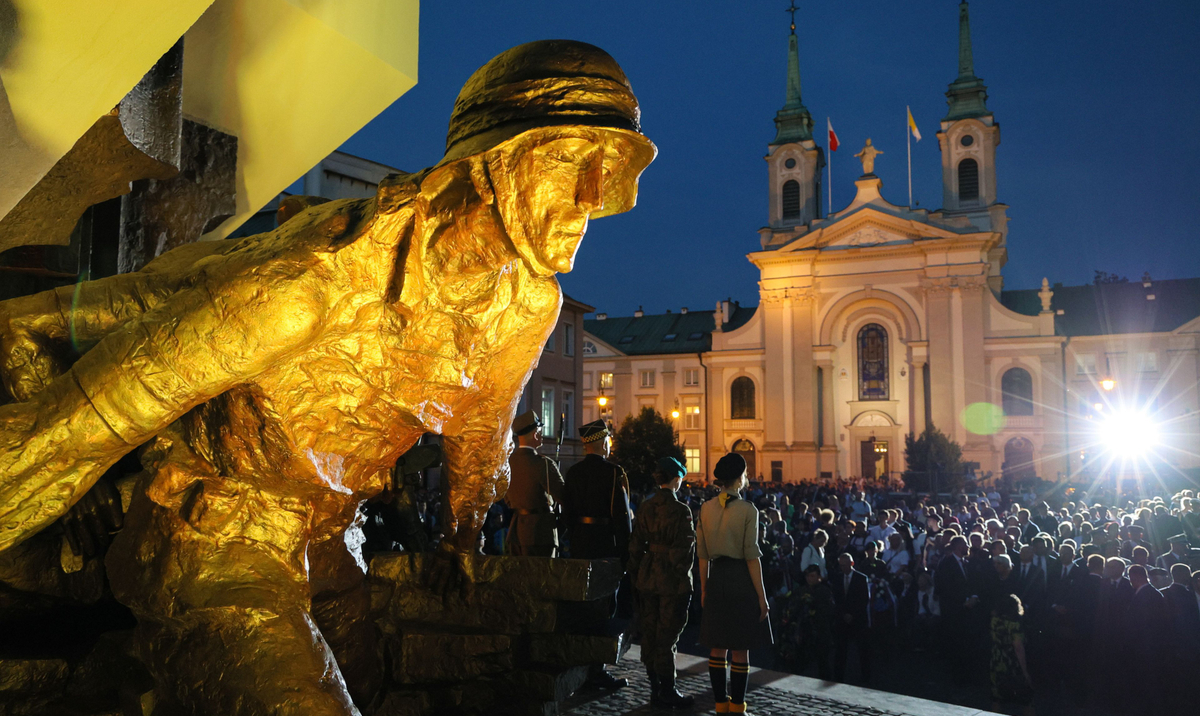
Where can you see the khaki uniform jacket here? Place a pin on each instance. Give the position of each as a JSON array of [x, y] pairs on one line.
[[663, 546], [534, 491]]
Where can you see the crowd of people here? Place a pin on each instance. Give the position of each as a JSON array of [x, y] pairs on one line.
[[1091, 596], [1084, 596]]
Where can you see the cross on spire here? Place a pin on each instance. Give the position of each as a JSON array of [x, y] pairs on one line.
[[793, 10]]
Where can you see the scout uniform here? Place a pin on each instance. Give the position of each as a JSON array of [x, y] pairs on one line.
[[661, 550], [596, 503], [534, 491]]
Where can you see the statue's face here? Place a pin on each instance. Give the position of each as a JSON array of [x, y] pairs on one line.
[[558, 179]]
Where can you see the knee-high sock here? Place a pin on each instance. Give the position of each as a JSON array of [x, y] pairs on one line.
[[716, 673], [739, 674]]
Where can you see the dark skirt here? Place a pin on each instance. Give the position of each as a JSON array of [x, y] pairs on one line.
[[730, 617]]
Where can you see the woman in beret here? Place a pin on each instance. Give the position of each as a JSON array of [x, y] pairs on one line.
[[732, 594]]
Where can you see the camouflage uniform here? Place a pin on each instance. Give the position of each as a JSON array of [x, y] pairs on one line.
[[661, 550]]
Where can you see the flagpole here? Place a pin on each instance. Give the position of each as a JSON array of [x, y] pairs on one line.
[[908, 138], [829, 167]]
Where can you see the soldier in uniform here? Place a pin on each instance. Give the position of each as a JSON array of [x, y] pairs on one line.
[[661, 551], [596, 512], [534, 491]]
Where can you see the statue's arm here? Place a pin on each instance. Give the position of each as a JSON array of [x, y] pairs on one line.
[[38, 333], [193, 346]]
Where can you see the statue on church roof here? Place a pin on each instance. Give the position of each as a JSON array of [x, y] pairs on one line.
[[867, 156]]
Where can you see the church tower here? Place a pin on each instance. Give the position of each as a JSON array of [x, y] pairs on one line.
[[794, 161], [968, 139]]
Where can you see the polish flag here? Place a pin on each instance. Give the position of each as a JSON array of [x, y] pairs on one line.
[[833, 140]]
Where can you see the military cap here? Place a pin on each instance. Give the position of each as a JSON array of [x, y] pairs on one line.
[[526, 423], [1180, 539], [729, 468], [593, 431], [671, 468]]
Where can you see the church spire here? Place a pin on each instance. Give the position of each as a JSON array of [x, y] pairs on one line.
[[967, 95], [793, 123]]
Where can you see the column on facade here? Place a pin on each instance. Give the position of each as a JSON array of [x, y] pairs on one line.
[[917, 396], [974, 379], [826, 460], [778, 375], [623, 401], [805, 374], [670, 391], [941, 355], [717, 411]]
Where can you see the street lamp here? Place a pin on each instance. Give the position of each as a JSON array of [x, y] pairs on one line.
[[602, 400], [675, 411], [1108, 384]]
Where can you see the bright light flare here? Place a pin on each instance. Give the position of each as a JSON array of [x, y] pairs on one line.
[[1128, 433], [1108, 384]]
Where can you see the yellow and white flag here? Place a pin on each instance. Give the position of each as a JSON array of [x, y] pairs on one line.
[[912, 125]]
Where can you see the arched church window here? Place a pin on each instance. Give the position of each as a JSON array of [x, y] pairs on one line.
[[1016, 387], [968, 180], [872, 362], [741, 399], [791, 199]]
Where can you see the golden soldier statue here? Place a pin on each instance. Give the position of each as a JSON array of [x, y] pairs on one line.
[[277, 378]]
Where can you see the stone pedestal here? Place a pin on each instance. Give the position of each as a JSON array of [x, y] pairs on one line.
[[519, 644]]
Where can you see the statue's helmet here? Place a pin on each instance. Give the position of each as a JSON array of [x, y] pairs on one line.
[[548, 83]]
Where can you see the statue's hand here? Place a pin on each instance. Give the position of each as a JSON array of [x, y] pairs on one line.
[[28, 360], [88, 526], [449, 572]]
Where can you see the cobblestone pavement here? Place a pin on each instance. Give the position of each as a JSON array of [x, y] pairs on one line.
[[762, 701]]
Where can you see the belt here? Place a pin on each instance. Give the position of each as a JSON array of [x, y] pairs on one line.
[[593, 520], [532, 512], [658, 547]]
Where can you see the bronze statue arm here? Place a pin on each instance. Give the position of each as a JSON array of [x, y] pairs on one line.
[[135, 382], [39, 333]]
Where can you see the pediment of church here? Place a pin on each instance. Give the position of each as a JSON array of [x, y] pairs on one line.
[[865, 235]]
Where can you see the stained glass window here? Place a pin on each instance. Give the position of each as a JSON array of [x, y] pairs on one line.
[[872, 362]]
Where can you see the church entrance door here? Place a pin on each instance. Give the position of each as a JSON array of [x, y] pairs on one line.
[[874, 459], [745, 448]]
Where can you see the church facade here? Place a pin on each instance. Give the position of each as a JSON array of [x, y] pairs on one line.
[[880, 320]]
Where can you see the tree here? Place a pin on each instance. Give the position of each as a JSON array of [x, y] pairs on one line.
[[934, 462], [640, 441], [1103, 277]]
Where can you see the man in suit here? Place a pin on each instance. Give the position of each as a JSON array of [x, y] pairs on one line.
[[1109, 636], [1148, 628], [1078, 608], [1031, 583], [953, 592], [852, 595], [1184, 607], [1178, 553]]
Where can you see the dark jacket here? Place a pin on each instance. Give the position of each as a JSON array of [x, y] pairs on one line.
[[596, 509], [662, 546], [950, 586], [856, 601]]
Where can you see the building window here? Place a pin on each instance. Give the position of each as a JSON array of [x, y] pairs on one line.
[[691, 377], [606, 381], [669, 337], [741, 399], [872, 362], [550, 344], [691, 417], [777, 471], [568, 413], [1085, 364], [968, 180], [589, 348], [568, 339], [548, 421], [791, 199], [1016, 387], [692, 457], [647, 378], [1147, 362]]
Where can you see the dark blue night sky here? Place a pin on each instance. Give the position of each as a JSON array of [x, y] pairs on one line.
[[1097, 102]]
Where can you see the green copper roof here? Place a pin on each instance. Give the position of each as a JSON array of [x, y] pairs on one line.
[[793, 123], [967, 95]]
